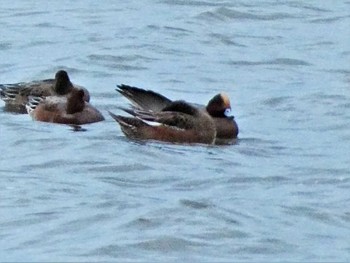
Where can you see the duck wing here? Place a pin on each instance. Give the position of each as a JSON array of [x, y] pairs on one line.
[[144, 99]]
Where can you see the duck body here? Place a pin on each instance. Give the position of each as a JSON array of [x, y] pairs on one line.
[[16, 95], [72, 109], [218, 108], [179, 122]]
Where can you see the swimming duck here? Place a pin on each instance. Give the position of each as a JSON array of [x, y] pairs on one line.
[[219, 108], [71, 109], [16, 95], [178, 122]]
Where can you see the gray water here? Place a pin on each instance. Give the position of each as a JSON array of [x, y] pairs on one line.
[[281, 193]]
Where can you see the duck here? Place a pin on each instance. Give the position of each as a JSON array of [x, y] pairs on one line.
[[71, 109], [219, 108], [16, 95], [178, 122]]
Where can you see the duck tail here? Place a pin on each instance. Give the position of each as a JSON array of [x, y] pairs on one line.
[[130, 126], [8, 92]]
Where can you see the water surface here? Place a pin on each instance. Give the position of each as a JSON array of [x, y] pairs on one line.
[[280, 193]]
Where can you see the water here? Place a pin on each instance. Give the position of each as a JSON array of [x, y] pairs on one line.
[[281, 193]]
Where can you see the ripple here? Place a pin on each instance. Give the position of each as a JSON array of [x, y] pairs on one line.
[[52, 164], [122, 63], [308, 6], [49, 25], [120, 168], [195, 204], [312, 213], [5, 45], [114, 58], [272, 246], [31, 219], [346, 217], [76, 225], [114, 251], [129, 182], [342, 172], [221, 235], [143, 223], [223, 14], [277, 101], [281, 103], [189, 3], [29, 13], [278, 61], [328, 20], [41, 43], [189, 185], [166, 244], [255, 179], [177, 31], [225, 40]]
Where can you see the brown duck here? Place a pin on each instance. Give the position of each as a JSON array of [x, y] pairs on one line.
[[178, 122], [219, 108], [70, 109], [16, 95]]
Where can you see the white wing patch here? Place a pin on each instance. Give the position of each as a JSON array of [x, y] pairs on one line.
[[32, 103]]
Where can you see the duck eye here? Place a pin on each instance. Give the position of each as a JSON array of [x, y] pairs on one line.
[[227, 112]]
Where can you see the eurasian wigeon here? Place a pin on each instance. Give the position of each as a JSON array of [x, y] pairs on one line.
[[219, 108], [16, 95], [71, 109], [179, 122]]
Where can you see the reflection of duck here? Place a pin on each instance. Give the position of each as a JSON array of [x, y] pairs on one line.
[[16, 95], [179, 122], [218, 107], [71, 109]]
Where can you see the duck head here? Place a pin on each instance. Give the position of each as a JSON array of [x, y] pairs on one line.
[[62, 83], [75, 101], [219, 106]]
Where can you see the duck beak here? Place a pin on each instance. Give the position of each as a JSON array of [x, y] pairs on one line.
[[228, 113]]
